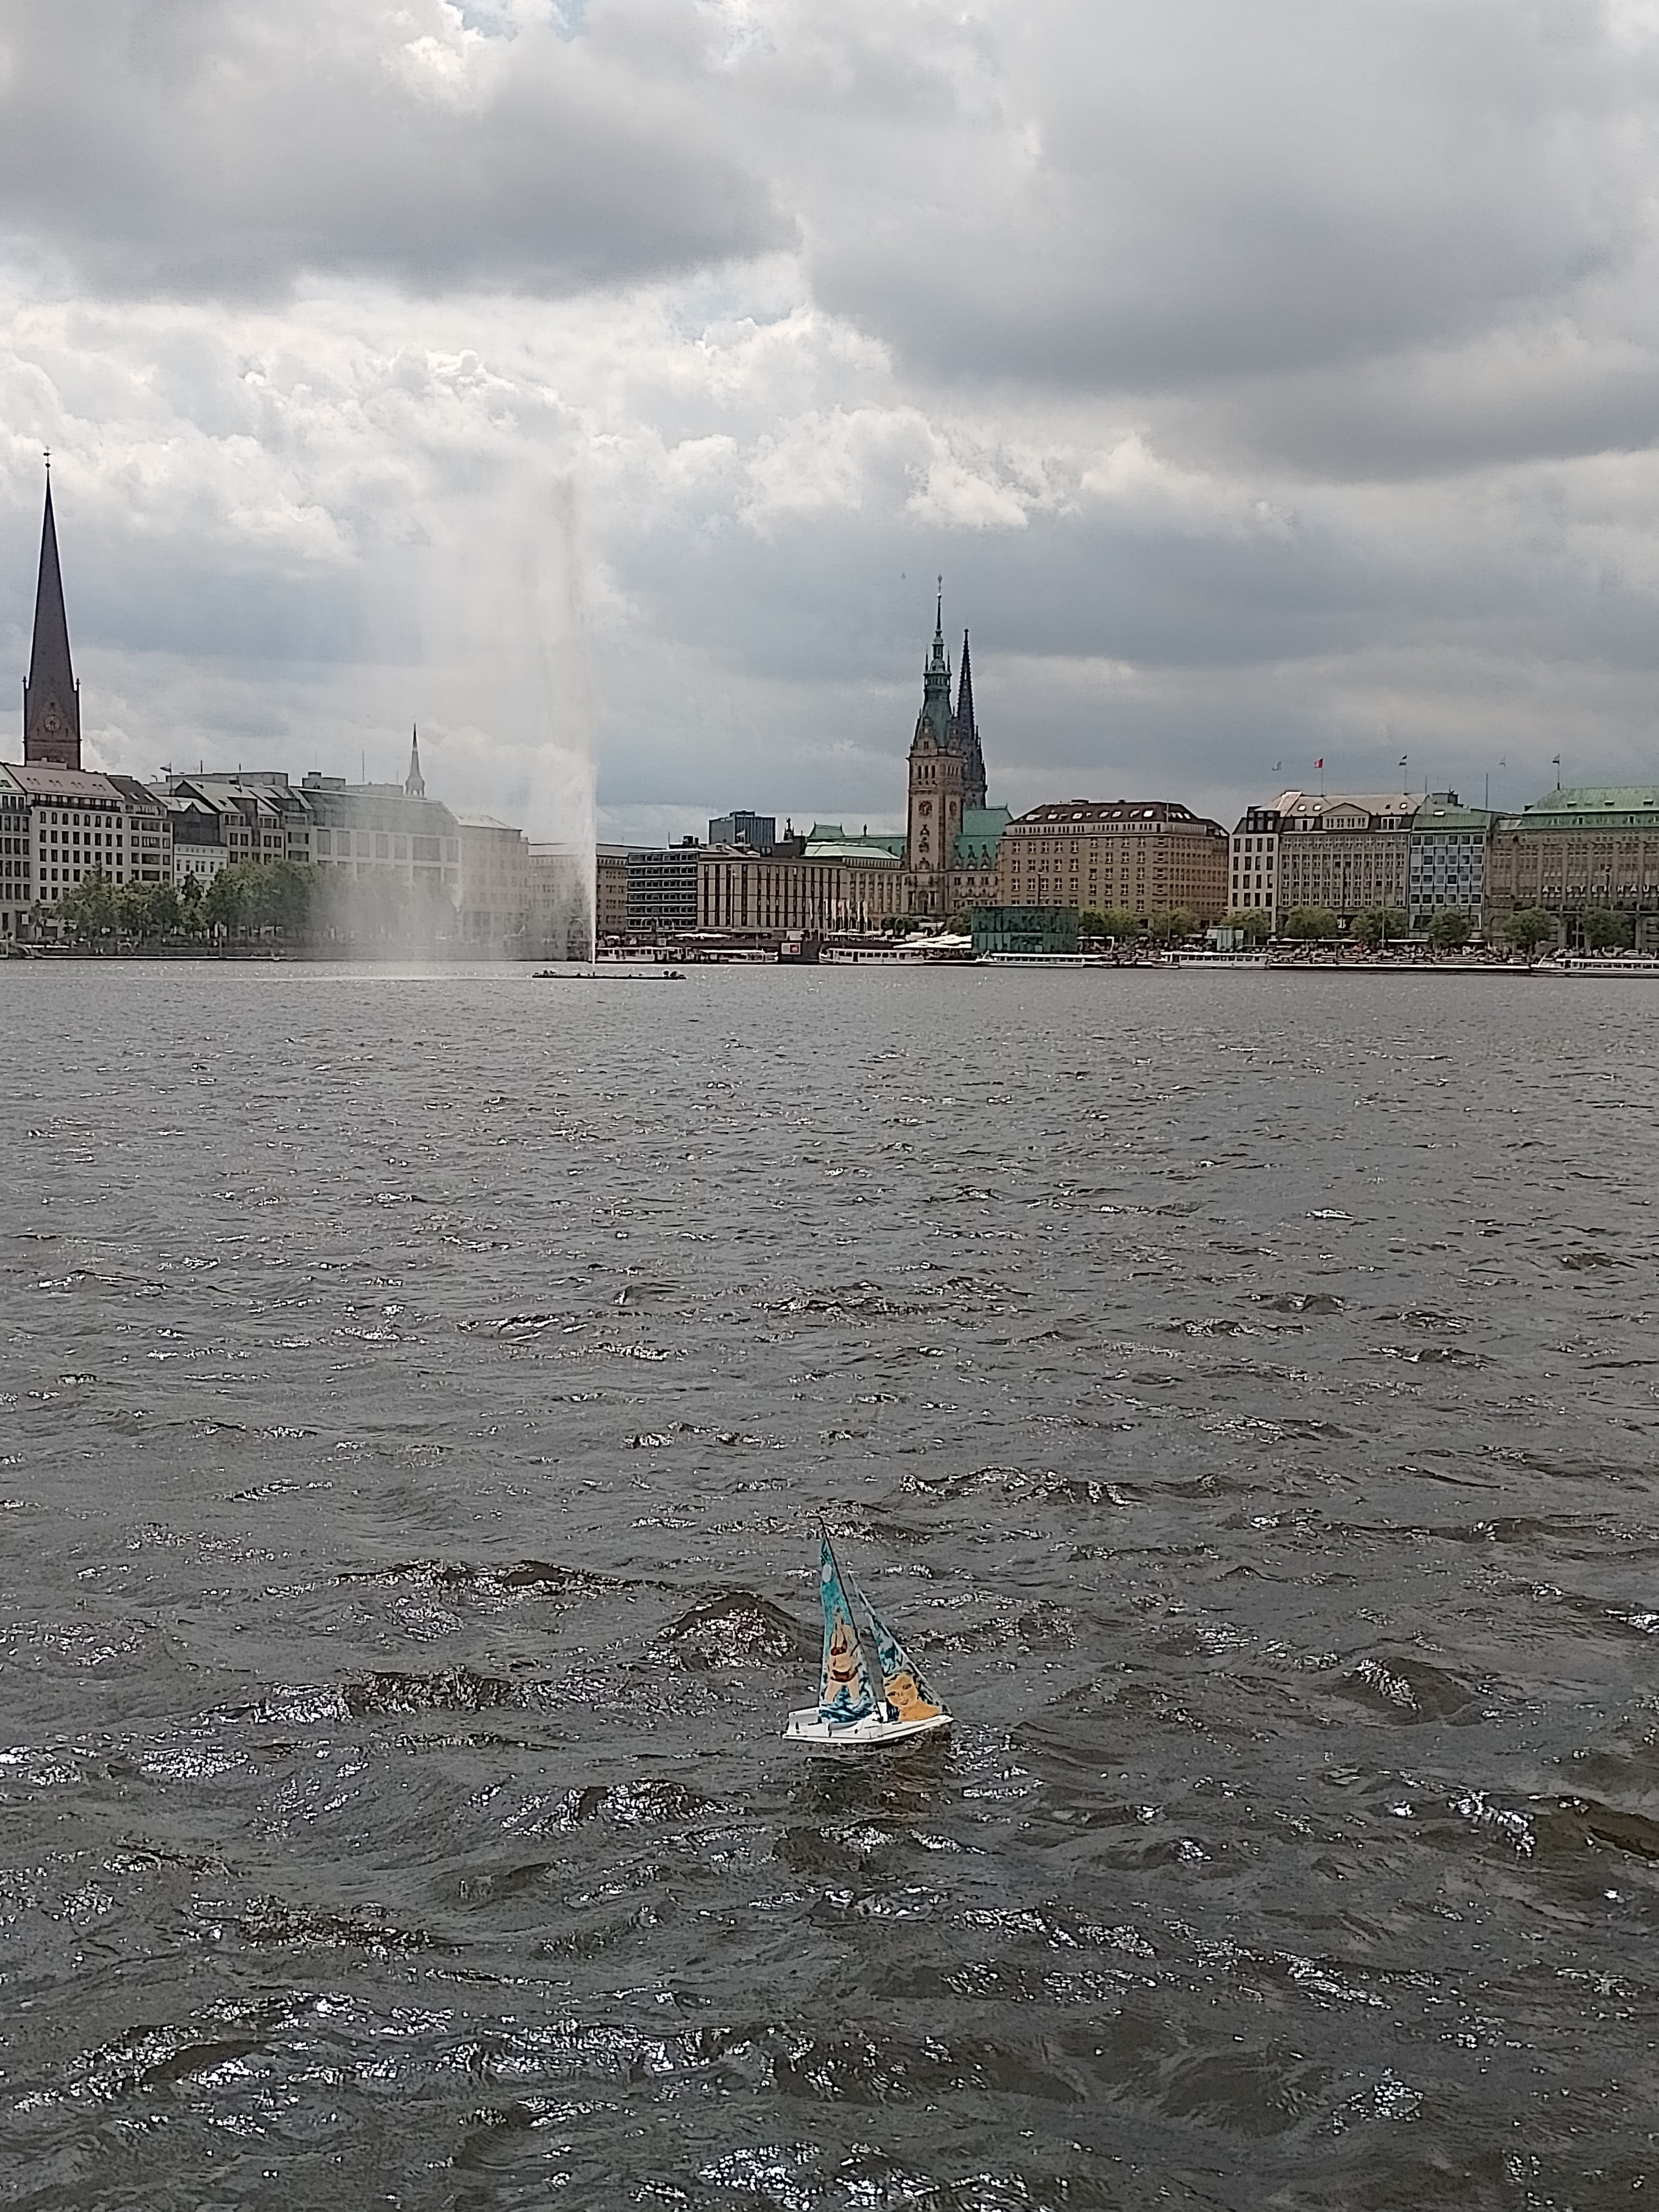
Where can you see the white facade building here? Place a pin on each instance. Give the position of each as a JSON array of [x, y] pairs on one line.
[[63, 824]]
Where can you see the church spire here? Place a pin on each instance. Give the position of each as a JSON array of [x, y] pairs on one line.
[[415, 782], [51, 701], [964, 732]]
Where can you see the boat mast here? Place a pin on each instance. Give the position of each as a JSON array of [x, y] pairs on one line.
[[851, 1591]]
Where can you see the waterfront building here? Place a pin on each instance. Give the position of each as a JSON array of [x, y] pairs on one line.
[[611, 892], [561, 902], [493, 903], [1253, 881], [1023, 929], [63, 824], [1577, 851], [1348, 851], [221, 817], [51, 697], [373, 832], [1139, 856], [825, 881], [1447, 860], [662, 890], [758, 832]]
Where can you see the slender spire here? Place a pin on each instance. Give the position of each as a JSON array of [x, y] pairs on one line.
[[965, 734], [415, 782], [52, 701]]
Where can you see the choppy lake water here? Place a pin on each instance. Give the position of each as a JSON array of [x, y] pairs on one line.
[[417, 1394]]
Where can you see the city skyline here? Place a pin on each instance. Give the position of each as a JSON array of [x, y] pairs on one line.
[[1240, 439]]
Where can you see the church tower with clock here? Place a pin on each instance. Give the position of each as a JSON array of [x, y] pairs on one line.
[[51, 697], [951, 834]]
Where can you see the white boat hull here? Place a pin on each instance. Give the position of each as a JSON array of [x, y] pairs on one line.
[[809, 1727]]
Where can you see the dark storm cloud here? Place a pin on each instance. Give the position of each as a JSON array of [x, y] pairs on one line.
[[175, 147]]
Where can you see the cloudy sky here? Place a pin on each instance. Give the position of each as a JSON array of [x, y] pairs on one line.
[[1268, 379]]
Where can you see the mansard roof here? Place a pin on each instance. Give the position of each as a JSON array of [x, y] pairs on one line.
[[1105, 813]]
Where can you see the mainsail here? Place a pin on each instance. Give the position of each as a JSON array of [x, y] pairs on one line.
[[844, 1693], [908, 1692]]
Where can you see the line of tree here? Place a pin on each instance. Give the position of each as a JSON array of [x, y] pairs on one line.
[[1123, 926], [264, 902]]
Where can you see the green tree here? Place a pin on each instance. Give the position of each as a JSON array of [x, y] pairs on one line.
[[1378, 924], [164, 911], [1116, 922], [1604, 928], [132, 910], [1251, 921], [1308, 922], [88, 911], [189, 907], [1171, 927], [1449, 929], [224, 901], [1529, 929]]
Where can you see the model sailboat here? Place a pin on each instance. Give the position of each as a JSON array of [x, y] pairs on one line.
[[871, 1691]]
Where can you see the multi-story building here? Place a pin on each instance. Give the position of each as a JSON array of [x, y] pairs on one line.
[[493, 908], [1347, 852], [663, 889], [826, 882], [1253, 881], [63, 824], [1573, 853], [759, 832], [561, 902], [611, 892], [221, 817], [1139, 856], [1448, 858]]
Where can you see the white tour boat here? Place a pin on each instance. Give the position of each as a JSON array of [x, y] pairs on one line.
[[1604, 964], [1212, 959], [860, 1652]]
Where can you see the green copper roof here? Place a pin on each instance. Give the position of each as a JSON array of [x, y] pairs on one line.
[[977, 838], [1590, 806], [827, 841], [1444, 812]]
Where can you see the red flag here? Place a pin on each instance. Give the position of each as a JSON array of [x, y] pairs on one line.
[[1319, 763]]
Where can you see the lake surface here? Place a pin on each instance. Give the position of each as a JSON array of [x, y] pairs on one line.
[[418, 1391]]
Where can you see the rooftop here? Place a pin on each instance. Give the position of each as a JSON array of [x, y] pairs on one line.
[[42, 782], [1610, 805], [1445, 810], [1107, 810]]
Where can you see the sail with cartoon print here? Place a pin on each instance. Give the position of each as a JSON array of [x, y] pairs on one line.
[[871, 1691]]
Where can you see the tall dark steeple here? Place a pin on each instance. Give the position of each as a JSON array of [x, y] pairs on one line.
[[964, 735], [51, 698], [415, 782]]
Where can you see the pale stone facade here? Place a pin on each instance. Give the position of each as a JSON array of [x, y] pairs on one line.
[[63, 824]]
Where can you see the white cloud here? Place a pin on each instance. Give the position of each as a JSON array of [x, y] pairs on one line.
[[1259, 380]]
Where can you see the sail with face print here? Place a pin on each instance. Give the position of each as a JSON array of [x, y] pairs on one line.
[[871, 1691], [844, 1688]]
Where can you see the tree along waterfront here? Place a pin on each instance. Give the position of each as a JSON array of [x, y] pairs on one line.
[[273, 901]]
